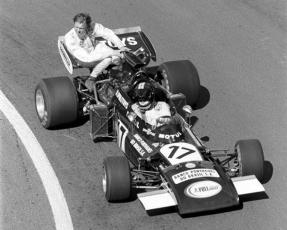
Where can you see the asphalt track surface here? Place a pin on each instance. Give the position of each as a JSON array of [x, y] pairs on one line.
[[239, 49]]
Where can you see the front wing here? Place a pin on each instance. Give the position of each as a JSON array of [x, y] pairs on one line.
[[165, 198]]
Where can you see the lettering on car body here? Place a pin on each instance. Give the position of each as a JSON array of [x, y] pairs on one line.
[[125, 40], [149, 132], [121, 99], [143, 143], [169, 136], [137, 147], [203, 189], [194, 173]]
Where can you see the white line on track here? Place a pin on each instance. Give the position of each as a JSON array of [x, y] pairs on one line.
[[61, 214]]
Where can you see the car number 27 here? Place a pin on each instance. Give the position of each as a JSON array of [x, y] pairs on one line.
[[180, 152]]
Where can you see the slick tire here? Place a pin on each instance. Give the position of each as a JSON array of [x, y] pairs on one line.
[[251, 158], [56, 102], [116, 179], [180, 77]]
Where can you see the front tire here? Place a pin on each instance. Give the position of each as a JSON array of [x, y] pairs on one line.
[[251, 158], [56, 102], [180, 77], [116, 179]]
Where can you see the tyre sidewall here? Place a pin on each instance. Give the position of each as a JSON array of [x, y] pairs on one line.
[[183, 78], [118, 178], [46, 121], [251, 158], [60, 99]]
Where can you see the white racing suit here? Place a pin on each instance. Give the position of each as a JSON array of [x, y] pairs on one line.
[[92, 52], [152, 116]]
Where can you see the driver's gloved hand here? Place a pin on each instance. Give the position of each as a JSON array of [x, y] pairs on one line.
[[90, 82]]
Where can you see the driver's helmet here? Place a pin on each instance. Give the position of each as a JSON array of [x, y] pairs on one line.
[[144, 95]]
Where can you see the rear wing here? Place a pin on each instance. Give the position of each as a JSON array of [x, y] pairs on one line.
[[133, 37]]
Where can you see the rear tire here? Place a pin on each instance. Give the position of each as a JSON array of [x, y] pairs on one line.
[[56, 102], [180, 77], [251, 158], [117, 179]]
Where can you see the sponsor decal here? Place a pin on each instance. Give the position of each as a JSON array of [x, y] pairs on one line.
[[121, 99], [190, 165], [126, 41], [203, 189], [194, 173], [149, 132], [137, 147], [170, 136], [143, 143], [131, 41]]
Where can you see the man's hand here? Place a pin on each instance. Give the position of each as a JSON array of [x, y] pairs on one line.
[[117, 53], [124, 49], [90, 82]]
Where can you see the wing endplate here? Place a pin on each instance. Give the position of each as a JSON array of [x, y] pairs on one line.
[[157, 199], [247, 185]]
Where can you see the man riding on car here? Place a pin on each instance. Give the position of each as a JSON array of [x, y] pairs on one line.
[[81, 43]]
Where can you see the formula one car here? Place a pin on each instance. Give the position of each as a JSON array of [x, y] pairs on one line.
[[167, 161]]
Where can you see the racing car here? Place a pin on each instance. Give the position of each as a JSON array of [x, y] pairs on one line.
[[166, 165]]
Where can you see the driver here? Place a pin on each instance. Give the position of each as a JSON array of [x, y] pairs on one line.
[[155, 113], [81, 43]]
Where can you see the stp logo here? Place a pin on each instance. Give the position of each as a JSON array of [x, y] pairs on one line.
[[127, 41]]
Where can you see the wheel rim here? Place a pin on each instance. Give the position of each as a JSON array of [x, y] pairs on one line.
[[40, 104], [104, 182], [164, 81]]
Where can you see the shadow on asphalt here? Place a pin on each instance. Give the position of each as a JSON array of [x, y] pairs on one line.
[[254, 197], [162, 211], [268, 171], [76, 124], [174, 209], [133, 196], [204, 98], [218, 211]]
